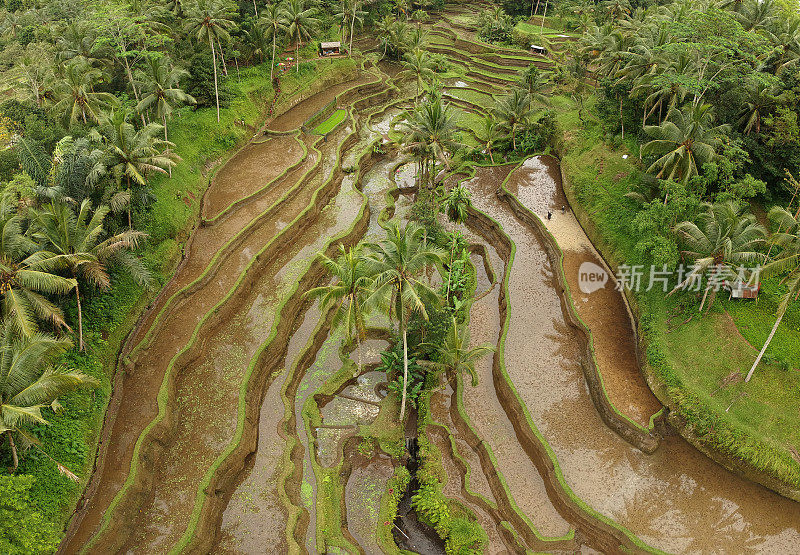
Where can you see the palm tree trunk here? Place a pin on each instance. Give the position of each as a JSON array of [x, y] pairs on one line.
[[216, 87], [358, 346], [405, 374], [541, 31], [703, 302], [352, 30], [133, 86], [222, 55], [297, 55], [80, 314], [130, 202], [272, 64], [255, 8], [14, 456], [764, 349]]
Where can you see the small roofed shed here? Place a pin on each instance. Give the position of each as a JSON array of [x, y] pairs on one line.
[[330, 48], [740, 290], [536, 49]]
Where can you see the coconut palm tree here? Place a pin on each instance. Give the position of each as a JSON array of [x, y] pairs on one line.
[[683, 143], [513, 112], [456, 204], [722, 237], [418, 66], [488, 134], [134, 154], [347, 293], [26, 275], [393, 36], [786, 263], [428, 133], [534, 82], [29, 382], [356, 15], [77, 100], [397, 263], [757, 14], [210, 21], [299, 22], [455, 356], [761, 98], [161, 91], [80, 238], [272, 21]]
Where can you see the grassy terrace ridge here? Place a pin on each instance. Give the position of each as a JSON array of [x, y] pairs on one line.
[[757, 429], [203, 144]]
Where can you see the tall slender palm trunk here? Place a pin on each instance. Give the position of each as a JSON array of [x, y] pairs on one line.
[[80, 313], [272, 65], [222, 56], [405, 375], [14, 456], [216, 87], [352, 30], [764, 348], [164, 119], [130, 199]]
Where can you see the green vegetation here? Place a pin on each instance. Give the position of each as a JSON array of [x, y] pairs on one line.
[[329, 124], [708, 122]]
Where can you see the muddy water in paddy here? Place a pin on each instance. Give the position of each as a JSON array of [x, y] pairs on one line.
[[486, 413], [207, 391], [220, 363], [297, 116], [456, 483], [251, 168], [537, 184], [677, 499], [255, 516], [362, 499], [138, 405]]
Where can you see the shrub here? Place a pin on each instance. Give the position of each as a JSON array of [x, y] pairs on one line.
[[22, 529]]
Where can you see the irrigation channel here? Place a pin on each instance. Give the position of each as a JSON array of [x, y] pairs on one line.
[[237, 425]]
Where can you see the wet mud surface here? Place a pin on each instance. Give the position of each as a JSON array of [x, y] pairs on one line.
[[677, 499], [537, 184]]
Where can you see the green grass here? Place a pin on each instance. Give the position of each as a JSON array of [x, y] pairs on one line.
[[691, 361], [329, 124], [531, 29]]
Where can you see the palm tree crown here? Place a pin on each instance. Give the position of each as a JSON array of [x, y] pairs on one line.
[[80, 238], [29, 382], [397, 264], [347, 293], [683, 143]]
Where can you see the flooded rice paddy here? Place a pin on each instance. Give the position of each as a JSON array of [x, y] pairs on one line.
[[238, 404]]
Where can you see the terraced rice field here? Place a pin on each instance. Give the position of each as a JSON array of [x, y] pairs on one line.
[[240, 424]]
